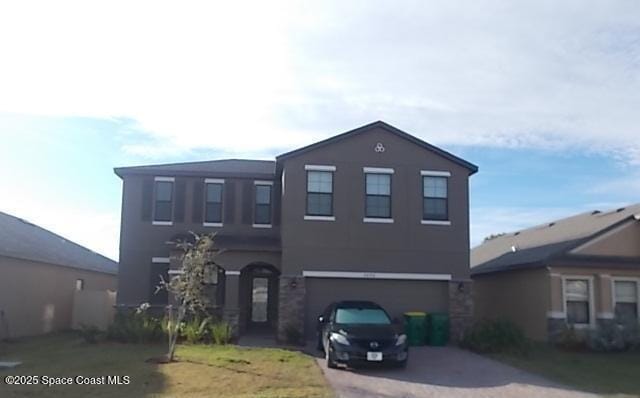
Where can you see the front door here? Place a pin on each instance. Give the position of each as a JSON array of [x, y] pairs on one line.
[[260, 301]]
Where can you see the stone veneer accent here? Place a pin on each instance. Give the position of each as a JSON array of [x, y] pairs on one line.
[[460, 308], [291, 306]]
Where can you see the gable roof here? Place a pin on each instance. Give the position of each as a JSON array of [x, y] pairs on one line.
[[387, 127], [533, 246], [23, 240], [222, 168]]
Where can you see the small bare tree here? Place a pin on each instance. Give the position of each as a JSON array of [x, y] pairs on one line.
[[188, 288]]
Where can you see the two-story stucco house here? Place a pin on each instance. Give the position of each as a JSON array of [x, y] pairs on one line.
[[372, 214]]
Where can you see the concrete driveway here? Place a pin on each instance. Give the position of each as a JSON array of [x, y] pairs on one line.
[[444, 372]]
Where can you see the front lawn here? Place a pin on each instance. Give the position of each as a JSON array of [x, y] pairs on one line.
[[216, 371], [602, 373]]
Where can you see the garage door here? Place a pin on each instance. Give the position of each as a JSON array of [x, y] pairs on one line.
[[396, 296]]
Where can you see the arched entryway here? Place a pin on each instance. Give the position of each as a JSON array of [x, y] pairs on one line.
[[259, 297]]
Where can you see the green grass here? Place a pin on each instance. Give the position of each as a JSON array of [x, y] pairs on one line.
[[217, 371], [601, 373]]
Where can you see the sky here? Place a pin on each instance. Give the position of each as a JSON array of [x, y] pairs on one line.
[[543, 96]]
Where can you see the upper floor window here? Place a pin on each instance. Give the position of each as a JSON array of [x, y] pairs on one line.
[[163, 204], [625, 293], [320, 190], [435, 196], [213, 201], [378, 195], [262, 211]]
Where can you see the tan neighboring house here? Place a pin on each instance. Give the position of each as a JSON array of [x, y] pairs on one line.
[[582, 271], [41, 272]]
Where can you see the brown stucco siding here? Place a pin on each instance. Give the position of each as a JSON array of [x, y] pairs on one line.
[[38, 298], [348, 243], [140, 240], [520, 296]]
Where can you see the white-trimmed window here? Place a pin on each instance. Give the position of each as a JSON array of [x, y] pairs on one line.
[[163, 200], [79, 284], [378, 195], [262, 205], [319, 191], [435, 196], [577, 300], [213, 201], [625, 300]]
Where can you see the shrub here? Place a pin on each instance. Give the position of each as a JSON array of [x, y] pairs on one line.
[[606, 338], [495, 336], [292, 334], [631, 336], [569, 339], [220, 333], [612, 337], [90, 333], [195, 330], [135, 327]]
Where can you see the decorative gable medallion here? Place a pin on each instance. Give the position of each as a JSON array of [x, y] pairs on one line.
[[379, 147]]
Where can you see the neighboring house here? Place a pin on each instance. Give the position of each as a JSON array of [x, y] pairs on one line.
[[40, 273], [371, 214], [582, 271]]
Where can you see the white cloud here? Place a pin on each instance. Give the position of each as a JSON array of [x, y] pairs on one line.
[[246, 77]]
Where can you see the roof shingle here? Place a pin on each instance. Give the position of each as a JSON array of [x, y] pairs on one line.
[[536, 244], [21, 239]]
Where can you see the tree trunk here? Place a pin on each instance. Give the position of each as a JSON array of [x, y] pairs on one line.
[[174, 330]]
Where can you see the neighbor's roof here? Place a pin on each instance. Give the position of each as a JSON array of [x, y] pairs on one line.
[[532, 246], [222, 168], [21, 239], [385, 126]]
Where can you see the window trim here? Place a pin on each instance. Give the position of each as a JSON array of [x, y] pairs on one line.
[[435, 222], [316, 167], [591, 303], [256, 184], [204, 203], [380, 171], [315, 217], [156, 180], [435, 173], [379, 220], [613, 293], [319, 218]]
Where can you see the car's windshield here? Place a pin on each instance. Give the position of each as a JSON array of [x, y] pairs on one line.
[[366, 316]]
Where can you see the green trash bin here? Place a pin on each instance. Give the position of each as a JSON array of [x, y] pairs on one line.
[[438, 329], [415, 327]]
